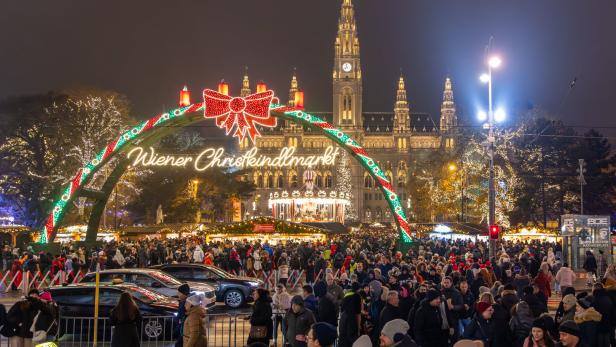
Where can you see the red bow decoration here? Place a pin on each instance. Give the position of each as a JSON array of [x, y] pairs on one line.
[[244, 112]]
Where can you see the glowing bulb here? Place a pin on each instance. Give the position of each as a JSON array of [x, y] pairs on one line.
[[482, 116], [500, 115], [484, 78], [452, 167], [494, 62]]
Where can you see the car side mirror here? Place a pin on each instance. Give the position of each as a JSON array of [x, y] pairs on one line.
[[156, 285]]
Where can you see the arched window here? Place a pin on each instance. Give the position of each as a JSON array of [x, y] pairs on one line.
[[280, 182], [319, 180], [270, 180], [367, 180], [368, 214], [292, 179], [329, 180], [260, 181]]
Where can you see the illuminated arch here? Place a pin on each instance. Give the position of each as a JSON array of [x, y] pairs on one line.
[[152, 130]]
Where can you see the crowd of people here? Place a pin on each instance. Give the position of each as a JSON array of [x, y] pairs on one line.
[[360, 290]]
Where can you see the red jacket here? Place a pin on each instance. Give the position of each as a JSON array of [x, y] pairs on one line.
[[543, 282]]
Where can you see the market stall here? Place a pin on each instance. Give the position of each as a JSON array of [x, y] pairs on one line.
[[268, 230], [531, 233]]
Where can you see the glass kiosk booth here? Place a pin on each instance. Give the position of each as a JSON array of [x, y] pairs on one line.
[[583, 233]]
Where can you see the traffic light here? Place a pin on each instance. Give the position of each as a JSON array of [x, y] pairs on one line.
[[494, 231]]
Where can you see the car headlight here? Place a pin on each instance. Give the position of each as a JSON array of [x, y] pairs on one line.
[[253, 284], [198, 292], [175, 314]]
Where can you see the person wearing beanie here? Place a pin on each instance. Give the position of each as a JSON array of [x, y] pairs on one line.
[[183, 293], [363, 341], [297, 323], [539, 335], [195, 328], [509, 297], [482, 325], [261, 324], [322, 335], [570, 335], [350, 317], [395, 333], [391, 310], [569, 307], [431, 325]]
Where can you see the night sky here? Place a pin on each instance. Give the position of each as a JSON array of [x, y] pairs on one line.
[[149, 49]]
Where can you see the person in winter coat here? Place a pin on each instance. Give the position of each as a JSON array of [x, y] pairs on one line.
[[310, 301], [588, 320], [46, 321], [469, 302], [482, 326], [125, 317], [19, 321], [590, 266], [537, 307], [195, 328], [520, 323], [570, 335], [262, 315], [509, 297], [326, 309], [539, 336], [430, 321], [350, 317], [543, 280], [569, 307], [565, 277], [334, 289], [454, 302], [603, 304], [391, 310], [521, 281], [198, 255], [297, 323]]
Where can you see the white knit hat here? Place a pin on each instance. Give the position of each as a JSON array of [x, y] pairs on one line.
[[195, 299]]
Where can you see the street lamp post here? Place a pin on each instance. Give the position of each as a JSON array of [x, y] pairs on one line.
[[493, 62]]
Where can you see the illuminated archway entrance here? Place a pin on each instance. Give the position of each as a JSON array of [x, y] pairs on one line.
[[228, 113]]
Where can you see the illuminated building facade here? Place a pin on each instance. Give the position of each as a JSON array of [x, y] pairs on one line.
[[396, 139]]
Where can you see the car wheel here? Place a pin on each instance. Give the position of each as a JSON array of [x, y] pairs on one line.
[[234, 298], [153, 329]]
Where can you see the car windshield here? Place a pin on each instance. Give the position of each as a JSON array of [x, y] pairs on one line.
[[145, 295], [166, 279], [220, 272]]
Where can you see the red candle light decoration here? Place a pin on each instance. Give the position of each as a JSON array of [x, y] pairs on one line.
[[261, 87], [184, 97], [223, 87], [299, 99]]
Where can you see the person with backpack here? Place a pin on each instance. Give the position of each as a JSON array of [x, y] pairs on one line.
[[46, 322], [19, 320]]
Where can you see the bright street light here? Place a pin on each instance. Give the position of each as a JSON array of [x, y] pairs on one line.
[[500, 115], [452, 167], [494, 62], [482, 116], [484, 78]]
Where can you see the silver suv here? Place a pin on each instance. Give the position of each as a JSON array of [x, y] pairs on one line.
[[154, 280]]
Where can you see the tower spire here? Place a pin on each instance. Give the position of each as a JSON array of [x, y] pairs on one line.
[[245, 91], [449, 120], [294, 88], [401, 108]]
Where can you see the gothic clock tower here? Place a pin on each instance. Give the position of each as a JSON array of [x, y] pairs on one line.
[[347, 72]]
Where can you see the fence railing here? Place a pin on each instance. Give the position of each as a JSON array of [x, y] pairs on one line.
[[26, 280], [223, 330]]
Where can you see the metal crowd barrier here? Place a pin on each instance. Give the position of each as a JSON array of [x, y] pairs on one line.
[[223, 330]]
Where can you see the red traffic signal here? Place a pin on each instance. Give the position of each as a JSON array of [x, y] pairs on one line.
[[494, 231]]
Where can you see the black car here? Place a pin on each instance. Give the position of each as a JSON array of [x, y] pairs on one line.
[[76, 303], [234, 291]]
